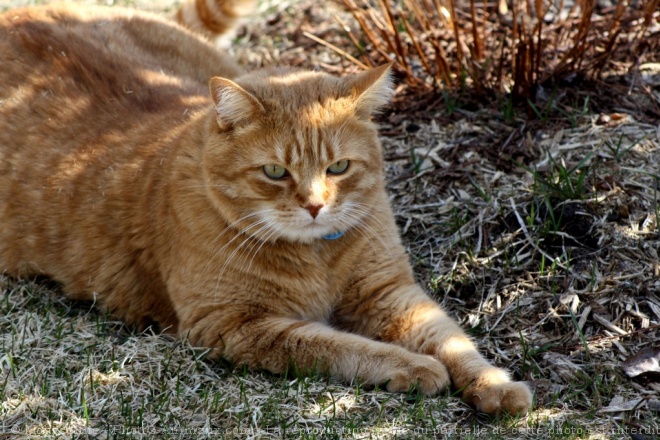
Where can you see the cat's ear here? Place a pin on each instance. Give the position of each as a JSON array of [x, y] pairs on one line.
[[233, 105], [372, 90]]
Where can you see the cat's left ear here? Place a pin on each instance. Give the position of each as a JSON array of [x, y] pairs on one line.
[[234, 106], [372, 90]]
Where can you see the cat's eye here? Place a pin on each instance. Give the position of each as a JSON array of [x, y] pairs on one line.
[[338, 167], [275, 171]]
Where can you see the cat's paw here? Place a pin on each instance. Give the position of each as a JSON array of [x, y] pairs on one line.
[[426, 374], [494, 393]]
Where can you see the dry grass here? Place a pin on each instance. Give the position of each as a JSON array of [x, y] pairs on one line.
[[541, 237]]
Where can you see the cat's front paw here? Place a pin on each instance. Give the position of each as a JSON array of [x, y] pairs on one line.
[[426, 374], [494, 393]]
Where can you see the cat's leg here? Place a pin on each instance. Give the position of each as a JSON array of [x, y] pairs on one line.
[[402, 314], [275, 343], [420, 325]]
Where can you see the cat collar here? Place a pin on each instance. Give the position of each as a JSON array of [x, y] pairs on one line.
[[333, 236]]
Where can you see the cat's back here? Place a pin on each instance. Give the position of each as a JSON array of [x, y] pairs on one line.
[[104, 87], [128, 60]]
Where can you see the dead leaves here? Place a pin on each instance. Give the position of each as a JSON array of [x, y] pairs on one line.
[[644, 365]]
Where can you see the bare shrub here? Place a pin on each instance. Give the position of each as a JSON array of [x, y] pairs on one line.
[[500, 47]]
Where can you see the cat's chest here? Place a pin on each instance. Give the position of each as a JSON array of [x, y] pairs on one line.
[[308, 283]]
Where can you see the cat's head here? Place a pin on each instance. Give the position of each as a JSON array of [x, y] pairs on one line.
[[293, 154]]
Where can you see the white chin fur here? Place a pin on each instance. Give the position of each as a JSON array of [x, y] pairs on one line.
[[307, 234], [303, 229], [306, 230]]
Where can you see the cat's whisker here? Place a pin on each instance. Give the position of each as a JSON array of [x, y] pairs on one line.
[[366, 211], [363, 214], [230, 226], [359, 228], [265, 225], [359, 222], [267, 239], [258, 242], [361, 218], [247, 239]]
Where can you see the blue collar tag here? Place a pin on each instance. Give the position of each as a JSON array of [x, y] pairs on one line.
[[334, 236]]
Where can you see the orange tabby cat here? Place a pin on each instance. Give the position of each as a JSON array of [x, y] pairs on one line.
[[246, 213]]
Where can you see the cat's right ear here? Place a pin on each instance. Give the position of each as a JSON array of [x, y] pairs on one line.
[[233, 105]]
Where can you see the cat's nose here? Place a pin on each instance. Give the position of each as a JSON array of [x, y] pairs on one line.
[[314, 209]]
